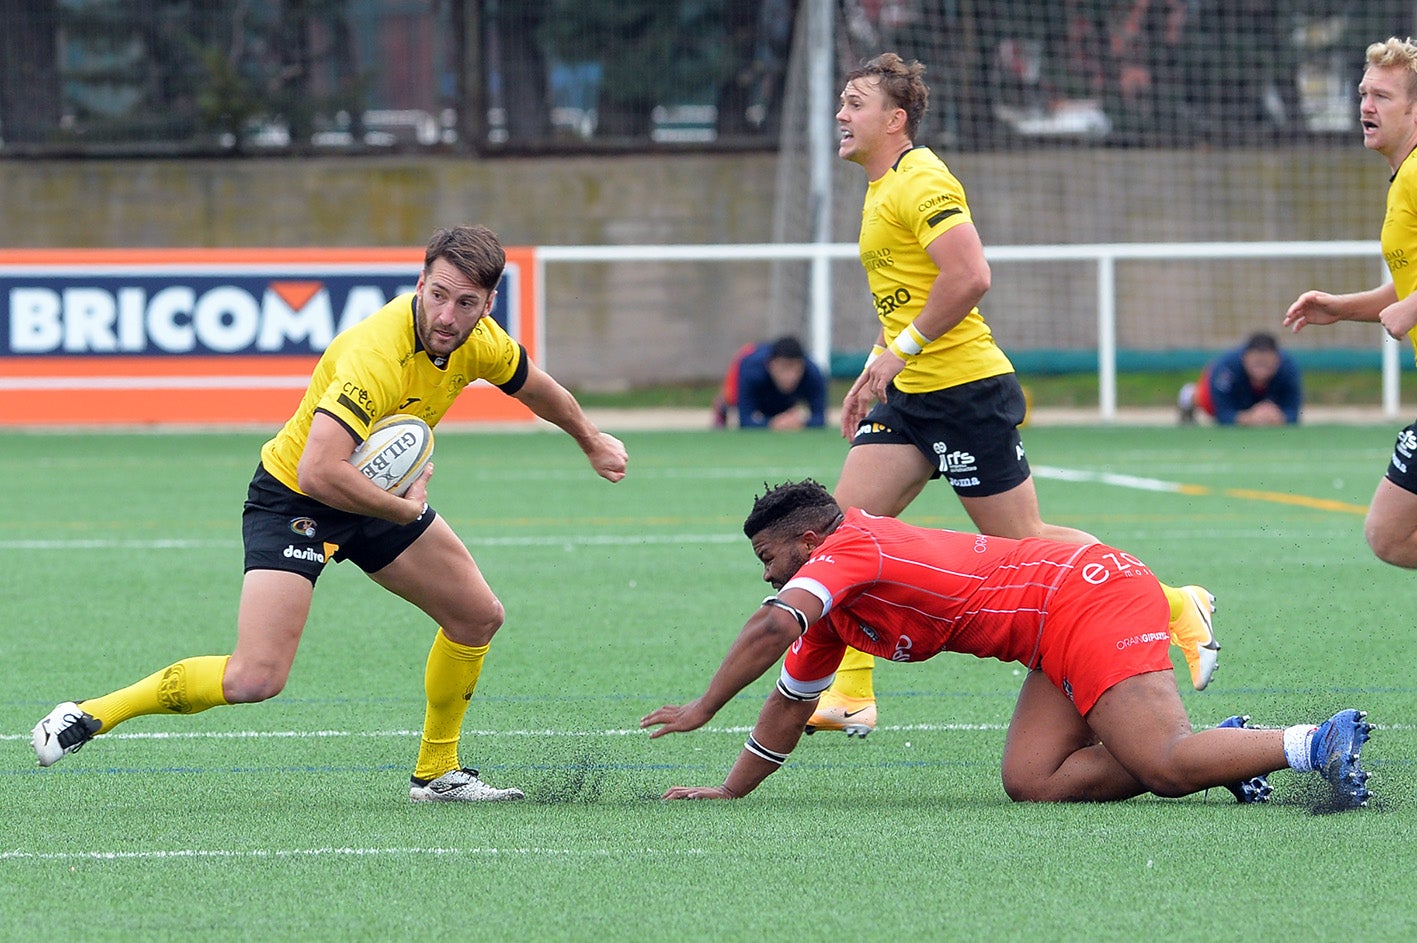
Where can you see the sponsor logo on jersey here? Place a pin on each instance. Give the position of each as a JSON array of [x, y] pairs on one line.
[[1144, 638], [872, 259], [956, 464], [358, 401], [888, 302], [902, 649]]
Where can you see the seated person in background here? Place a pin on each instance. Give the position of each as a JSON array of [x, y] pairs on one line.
[[774, 386], [1256, 384]]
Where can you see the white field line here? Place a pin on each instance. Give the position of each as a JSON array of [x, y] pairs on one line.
[[377, 734], [617, 732], [1135, 482], [237, 853], [550, 540]]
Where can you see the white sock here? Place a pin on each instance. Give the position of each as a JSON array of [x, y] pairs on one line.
[[1297, 740]]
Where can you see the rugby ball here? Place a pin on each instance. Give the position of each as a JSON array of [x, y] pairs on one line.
[[397, 450]]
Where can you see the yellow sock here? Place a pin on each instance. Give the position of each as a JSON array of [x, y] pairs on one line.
[[853, 678], [1177, 599], [449, 679], [185, 687]]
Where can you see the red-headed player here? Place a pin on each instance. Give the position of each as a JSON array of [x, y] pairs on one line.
[[1099, 717]]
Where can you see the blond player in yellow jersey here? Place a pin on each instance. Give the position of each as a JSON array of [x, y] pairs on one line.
[[1387, 112], [947, 403], [308, 506]]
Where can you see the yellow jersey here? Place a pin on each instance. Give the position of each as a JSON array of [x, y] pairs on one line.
[[914, 203], [378, 367], [1399, 238]]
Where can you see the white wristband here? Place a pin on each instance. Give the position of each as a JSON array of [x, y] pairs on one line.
[[876, 351], [909, 342]]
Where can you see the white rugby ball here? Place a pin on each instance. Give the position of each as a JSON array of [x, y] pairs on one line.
[[397, 450]]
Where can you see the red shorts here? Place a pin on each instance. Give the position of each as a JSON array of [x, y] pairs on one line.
[[1106, 623], [1203, 398]]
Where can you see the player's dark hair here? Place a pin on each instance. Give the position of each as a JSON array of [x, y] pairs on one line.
[[797, 506], [1262, 340], [475, 251], [903, 84], [787, 348]]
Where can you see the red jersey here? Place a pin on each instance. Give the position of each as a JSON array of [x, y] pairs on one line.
[[907, 593]]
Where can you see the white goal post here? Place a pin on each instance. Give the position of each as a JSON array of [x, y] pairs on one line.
[[1103, 256]]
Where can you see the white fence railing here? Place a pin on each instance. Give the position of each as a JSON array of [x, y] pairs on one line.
[[1104, 255]]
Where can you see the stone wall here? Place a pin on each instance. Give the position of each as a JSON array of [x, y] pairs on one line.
[[616, 325]]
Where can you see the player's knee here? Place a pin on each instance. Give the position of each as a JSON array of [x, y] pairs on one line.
[[477, 628], [1023, 788], [1163, 777], [243, 685], [1390, 546]]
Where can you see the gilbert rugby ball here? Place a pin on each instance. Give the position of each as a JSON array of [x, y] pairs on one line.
[[399, 447]]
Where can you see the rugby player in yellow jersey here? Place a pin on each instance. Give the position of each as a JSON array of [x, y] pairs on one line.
[[947, 403], [308, 505], [1387, 112]]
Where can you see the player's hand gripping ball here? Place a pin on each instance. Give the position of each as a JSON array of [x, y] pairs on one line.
[[399, 447]]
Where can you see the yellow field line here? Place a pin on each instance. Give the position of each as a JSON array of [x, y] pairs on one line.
[[1140, 483]]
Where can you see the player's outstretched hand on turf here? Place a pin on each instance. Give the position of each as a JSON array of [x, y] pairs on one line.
[[677, 718], [698, 792]]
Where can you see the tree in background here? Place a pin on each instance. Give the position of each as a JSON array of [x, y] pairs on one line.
[[29, 70]]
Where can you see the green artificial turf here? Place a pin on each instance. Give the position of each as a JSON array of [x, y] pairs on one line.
[[120, 553]]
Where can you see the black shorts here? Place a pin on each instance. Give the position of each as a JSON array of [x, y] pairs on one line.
[[1402, 470], [285, 530], [968, 432]]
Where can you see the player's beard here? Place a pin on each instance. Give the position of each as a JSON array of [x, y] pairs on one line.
[[439, 345]]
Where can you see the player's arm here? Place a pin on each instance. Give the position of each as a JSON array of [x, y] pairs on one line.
[[773, 737], [326, 475], [814, 391], [753, 380], [1320, 307], [1287, 390], [1223, 395], [765, 637], [857, 401], [1400, 317], [554, 403], [963, 280]]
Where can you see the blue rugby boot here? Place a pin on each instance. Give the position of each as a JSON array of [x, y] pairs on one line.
[[1333, 749], [1247, 790]]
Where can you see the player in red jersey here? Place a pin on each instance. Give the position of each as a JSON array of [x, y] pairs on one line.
[[1099, 717]]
